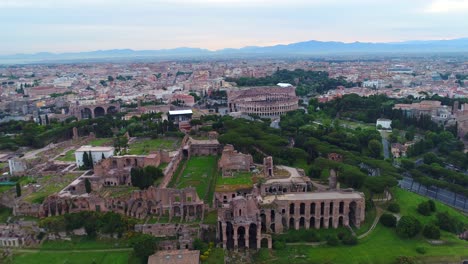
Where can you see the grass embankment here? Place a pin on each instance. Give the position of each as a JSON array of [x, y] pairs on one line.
[[145, 146], [69, 156], [101, 142]]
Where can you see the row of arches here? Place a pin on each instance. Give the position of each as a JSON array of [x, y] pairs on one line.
[[98, 111], [241, 236]]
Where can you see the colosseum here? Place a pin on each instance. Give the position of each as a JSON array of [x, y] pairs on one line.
[[265, 101]]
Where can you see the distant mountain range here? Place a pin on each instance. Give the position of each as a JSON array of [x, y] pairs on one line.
[[307, 48]]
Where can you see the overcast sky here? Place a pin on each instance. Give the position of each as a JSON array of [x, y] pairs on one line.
[[29, 26]]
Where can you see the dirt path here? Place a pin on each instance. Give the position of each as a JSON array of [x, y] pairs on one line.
[[374, 224]]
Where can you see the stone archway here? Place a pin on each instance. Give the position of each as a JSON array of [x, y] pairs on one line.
[[241, 237], [253, 236], [302, 222], [86, 113], [263, 222], [352, 213], [99, 111], [112, 110], [229, 236], [291, 223], [312, 222], [264, 243]]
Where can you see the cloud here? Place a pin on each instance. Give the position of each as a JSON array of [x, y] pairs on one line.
[[447, 6]]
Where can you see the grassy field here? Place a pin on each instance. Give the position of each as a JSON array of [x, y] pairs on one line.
[[382, 245], [101, 142], [69, 257], [50, 185], [241, 180], [81, 243], [199, 173], [5, 213], [409, 202], [69, 156], [216, 257], [143, 147]]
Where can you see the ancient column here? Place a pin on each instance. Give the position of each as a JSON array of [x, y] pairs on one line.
[[223, 227]]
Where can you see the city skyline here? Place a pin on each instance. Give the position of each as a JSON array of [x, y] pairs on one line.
[[76, 26]]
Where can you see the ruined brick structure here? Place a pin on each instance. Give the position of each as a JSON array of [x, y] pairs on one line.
[[185, 233], [232, 161], [198, 147], [263, 101], [116, 170], [246, 218], [93, 111], [183, 203]]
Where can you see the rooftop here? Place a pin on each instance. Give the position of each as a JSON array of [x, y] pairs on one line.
[[312, 196], [180, 112], [94, 149]]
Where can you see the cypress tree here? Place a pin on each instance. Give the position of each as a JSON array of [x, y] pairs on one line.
[[91, 162], [18, 189], [88, 186], [85, 160]]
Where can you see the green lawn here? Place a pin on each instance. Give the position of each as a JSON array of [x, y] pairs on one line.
[[382, 246], [409, 202], [69, 257], [69, 156], [5, 188], [80, 243], [211, 218], [145, 146], [216, 256], [5, 213], [199, 173], [240, 180], [50, 185], [101, 142]]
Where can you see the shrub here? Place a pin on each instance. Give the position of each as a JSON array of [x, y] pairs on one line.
[[332, 241], [394, 207], [449, 223], [408, 227], [421, 250], [431, 231], [349, 240], [388, 220], [424, 208], [404, 260], [432, 205]]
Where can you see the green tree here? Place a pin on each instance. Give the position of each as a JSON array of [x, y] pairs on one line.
[[388, 220], [18, 189], [85, 160], [144, 246], [394, 207], [91, 162], [88, 185], [424, 208], [431, 231], [375, 148], [408, 227]]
